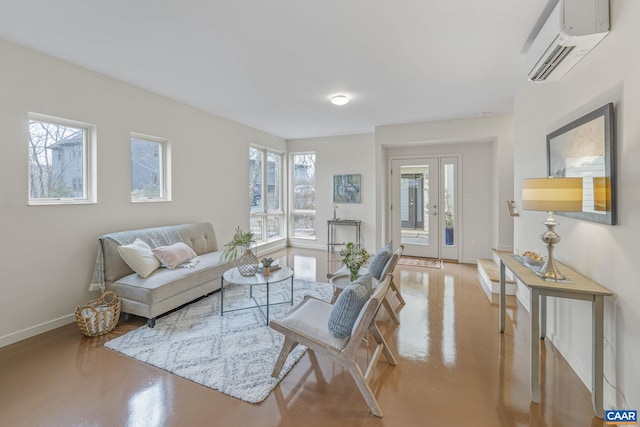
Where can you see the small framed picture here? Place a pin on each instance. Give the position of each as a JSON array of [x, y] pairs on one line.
[[347, 188]]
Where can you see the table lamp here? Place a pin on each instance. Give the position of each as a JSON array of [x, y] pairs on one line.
[[551, 195]]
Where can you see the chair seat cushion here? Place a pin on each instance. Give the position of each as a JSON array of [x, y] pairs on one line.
[[310, 319], [348, 305]]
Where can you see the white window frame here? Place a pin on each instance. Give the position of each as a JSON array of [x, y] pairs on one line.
[[293, 211], [265, 212], [164, 160], [89, 162]]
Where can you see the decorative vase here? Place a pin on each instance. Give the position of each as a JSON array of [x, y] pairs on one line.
[[353, 274], [248, 263], [266, 271]]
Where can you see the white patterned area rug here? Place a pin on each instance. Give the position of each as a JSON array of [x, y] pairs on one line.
[[234, 353]]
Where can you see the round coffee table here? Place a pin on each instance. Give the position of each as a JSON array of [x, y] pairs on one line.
[[234, 277]]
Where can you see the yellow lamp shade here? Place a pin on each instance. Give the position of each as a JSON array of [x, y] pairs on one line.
[[552, 194]]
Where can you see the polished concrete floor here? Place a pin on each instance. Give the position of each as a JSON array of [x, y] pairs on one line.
[[454, 369]]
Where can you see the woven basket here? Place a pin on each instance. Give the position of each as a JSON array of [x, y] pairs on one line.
[[99, 316]]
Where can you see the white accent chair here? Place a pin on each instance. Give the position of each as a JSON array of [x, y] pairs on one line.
[[388, 270], [306, 324]]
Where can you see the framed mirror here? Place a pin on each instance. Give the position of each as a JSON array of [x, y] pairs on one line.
[[586, 148]]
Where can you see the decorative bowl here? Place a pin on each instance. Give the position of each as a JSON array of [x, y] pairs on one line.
[[533, 258]]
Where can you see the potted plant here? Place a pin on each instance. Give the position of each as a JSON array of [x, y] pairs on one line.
[[354, 257], [266, 265], [249, 262]]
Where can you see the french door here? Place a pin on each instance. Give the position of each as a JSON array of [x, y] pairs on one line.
[[424, 206]]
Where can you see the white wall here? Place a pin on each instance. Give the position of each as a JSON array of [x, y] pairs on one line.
[[487, 174], [340, 155], [606, 254], [48, 252]]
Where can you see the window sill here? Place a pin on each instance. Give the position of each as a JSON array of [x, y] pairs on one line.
[[150, 200], [61, 202], [272, 245], [304, 237]]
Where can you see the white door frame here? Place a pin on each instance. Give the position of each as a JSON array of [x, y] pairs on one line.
[[430, 212], [450, 252]]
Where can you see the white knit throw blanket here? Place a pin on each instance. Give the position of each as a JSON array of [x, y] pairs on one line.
[[154, 237]]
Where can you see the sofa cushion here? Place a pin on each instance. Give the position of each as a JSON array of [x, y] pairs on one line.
[[172, 256], [200, 236], [165, 283], [348, 305], [139, 257]]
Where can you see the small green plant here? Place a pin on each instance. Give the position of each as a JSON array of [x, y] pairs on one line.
[[240, 238], [266, 262], [448, 218], [354, 257]]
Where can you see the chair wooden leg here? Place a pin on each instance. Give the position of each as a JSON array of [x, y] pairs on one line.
[[316, 368], [287, 346], [364, 388], [394, 288], [391, 359], [392, 313]]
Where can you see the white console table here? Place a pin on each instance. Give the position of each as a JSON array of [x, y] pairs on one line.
[[582, 288], [331, 231]]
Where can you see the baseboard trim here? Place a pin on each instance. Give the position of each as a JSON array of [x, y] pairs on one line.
[[32, 331], [305, 245], [266, 248]]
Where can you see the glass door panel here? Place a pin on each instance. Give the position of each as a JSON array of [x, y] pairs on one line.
[[424, 206], [417, 214], [449, 221]]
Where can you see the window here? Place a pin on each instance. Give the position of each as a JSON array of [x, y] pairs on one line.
[[265, 194], [61, 161], [303, 197], [149, 169]]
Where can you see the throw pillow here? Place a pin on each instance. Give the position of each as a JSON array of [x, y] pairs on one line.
[[348, 305], [172, 256], [379, 261], [139, 257]]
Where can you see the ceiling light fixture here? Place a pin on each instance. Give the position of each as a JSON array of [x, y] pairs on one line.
[[339, 99]]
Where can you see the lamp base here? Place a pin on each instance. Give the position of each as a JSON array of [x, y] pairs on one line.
[[550, 269]]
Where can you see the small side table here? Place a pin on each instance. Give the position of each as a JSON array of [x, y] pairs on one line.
[[331, 231], [338, 282]]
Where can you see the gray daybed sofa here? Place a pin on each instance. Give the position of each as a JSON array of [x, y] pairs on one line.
[[165, 289]]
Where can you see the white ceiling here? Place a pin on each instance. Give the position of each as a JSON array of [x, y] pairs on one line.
[[273, 64]]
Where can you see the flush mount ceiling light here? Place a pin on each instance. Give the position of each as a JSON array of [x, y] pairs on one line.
[[339, 99]]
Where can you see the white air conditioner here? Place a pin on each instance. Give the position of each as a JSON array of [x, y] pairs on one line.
[[571, 31]]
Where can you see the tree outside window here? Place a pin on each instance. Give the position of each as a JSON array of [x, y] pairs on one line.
[[303, 213], [265, 194], [59, 161]]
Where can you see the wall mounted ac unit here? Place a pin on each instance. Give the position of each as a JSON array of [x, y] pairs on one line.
[[571, 31]]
